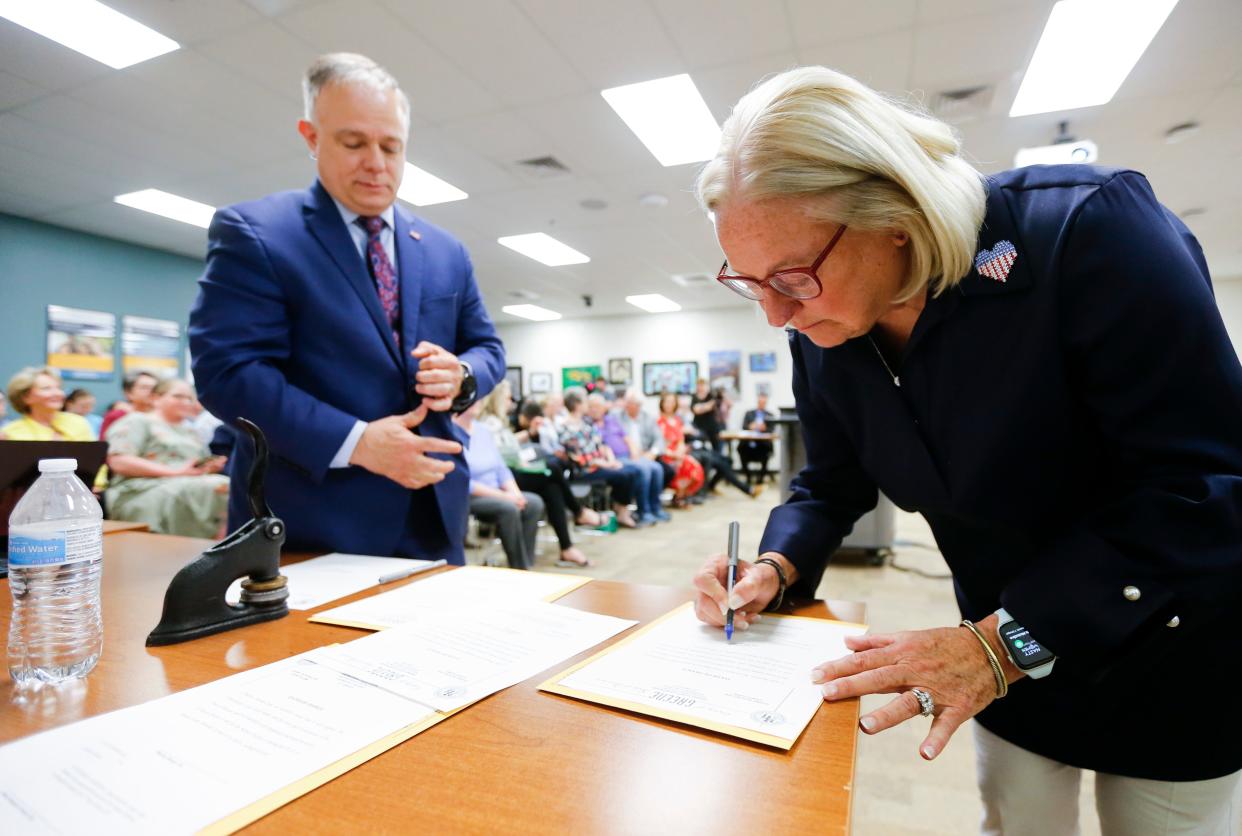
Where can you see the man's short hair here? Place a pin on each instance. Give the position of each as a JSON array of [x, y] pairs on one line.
[[532, 409], [348, 68]]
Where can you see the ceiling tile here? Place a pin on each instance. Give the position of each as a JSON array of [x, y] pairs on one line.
[[882, 62], [713, 32], [15, 91], [816, 22], [975, 50], [188, 22]]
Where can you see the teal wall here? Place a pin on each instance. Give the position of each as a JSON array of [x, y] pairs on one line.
[[43, 265]]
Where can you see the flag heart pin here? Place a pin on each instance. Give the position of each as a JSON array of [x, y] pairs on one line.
[[996, 262]]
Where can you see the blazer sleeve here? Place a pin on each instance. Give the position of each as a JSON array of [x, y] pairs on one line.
[[1152, 365], [239, 337], [826, 498], [476, 340]]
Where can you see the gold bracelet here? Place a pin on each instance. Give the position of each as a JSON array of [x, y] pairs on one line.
[[1002, 686]]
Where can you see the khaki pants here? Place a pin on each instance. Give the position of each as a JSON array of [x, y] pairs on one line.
[[1024, 793]]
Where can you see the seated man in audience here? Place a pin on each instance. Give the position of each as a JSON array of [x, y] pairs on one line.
[[650, 474], [495, 496], [38, 398], [139, 388], [643, 434], [162, 472], [82, 402], [750, 450]]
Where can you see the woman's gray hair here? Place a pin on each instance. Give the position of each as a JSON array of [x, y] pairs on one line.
[[857, 158], [348, 68]]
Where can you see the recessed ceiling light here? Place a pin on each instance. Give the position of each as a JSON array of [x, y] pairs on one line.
[[1074, 66], [422, 188], [169, 206], [653, 200], [543, 248], [669, 116], [531, 312], [91, 28], [653, 303]]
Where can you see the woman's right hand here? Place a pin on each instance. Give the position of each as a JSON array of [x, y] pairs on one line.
[[754, 587], [189, 469]]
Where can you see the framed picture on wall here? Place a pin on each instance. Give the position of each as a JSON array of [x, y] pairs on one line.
[[763, 361], [540, 383], [582, 376], [725, 370], [513, 374], [620, 370], [81, 344], [670, 377]]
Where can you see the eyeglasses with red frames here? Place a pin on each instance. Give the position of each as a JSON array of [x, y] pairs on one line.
[[796, 282]]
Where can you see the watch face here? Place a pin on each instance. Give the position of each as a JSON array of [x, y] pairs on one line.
[[1024, 650]]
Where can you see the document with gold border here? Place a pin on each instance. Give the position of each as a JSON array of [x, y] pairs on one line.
[[756, 687]]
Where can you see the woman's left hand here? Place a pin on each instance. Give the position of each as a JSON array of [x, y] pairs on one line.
[[946, 662]]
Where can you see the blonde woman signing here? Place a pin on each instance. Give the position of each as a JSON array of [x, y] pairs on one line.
[[1035, 362], [162, 472]]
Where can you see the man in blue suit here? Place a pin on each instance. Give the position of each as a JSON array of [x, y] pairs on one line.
[[348, 330]]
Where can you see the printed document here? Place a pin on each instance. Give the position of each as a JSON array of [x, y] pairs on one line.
[[322, 579]]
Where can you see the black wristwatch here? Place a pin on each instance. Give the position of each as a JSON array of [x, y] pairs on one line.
[[469, 390]]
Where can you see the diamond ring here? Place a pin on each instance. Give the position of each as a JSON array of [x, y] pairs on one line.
[[926, 704]]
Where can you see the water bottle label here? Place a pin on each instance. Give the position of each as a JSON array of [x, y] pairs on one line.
[[51, 548]]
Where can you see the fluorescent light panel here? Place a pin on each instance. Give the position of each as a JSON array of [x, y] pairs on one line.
[[543, 248], [531, 312], [91, 28], [1086, 51], [422, 188], [669, 116], [169, 206], [653, 303]]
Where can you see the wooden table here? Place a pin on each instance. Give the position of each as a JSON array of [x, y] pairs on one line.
[[521, 761], [117, 526]]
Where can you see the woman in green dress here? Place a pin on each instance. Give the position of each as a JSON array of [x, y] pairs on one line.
[[162, 473]]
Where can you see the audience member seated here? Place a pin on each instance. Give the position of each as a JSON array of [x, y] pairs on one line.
[[532, 473], [82, 402], [495, 496], [643, 434], [749, 450], [650, 474], [139, 389], [705, 404], [687, 472], [162, 472], [37, 396], [593, 460]]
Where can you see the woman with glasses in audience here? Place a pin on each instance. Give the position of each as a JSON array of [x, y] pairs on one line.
[[162, 472], [1034, 361]]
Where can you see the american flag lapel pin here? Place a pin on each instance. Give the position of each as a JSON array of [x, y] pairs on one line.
[[996, 262]]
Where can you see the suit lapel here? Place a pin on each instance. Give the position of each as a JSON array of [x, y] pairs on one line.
[[410, 256], [324, 221]]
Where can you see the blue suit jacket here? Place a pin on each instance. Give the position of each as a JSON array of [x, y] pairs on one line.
[[288, 332], [1068, 432]]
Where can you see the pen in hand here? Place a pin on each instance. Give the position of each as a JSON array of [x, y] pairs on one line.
[[734, 530]]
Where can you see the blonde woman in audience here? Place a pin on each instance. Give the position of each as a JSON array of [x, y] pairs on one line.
[[533, 473], [162, 472], [687, 472], [37, 396]]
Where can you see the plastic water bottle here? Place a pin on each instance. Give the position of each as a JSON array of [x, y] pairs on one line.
[[55, 558]]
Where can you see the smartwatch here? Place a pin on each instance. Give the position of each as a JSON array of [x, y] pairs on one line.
[[469, 389], [1028, 655]]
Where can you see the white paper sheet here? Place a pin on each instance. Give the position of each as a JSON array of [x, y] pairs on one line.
[[179, 763], [450, 658], [759, 682], [462, 587], [322, 579]]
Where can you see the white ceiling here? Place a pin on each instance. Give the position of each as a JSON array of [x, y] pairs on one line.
[[497, 81]]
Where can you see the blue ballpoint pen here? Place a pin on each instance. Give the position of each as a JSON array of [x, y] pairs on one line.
[[734, 530]]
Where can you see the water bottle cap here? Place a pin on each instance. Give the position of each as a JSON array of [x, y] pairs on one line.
[[58, 465]]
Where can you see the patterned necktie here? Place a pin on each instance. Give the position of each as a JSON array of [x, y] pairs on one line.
[[382, 273]]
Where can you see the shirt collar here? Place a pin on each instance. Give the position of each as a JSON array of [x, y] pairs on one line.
[[350, 217]]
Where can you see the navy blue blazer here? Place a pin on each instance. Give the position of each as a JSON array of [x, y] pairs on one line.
[[1067, 432], [288, 332]]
